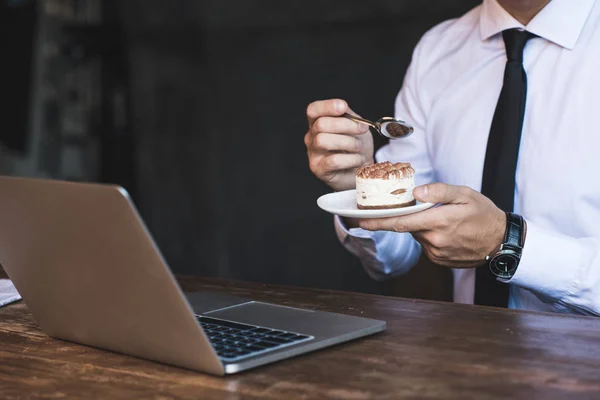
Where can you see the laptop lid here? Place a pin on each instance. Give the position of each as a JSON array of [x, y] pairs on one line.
[[90, 273]]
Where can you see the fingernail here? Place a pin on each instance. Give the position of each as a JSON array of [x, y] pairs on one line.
[[339, 106], [421, 192]]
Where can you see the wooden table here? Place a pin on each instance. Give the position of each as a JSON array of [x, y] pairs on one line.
[[431, 350]]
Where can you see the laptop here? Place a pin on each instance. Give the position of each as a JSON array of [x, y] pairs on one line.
[[90, 273]]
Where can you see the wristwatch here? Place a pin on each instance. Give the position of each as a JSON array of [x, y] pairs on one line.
[[504, 262]]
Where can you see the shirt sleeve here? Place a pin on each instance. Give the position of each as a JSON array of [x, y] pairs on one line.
[[560, 269], [386, 254]]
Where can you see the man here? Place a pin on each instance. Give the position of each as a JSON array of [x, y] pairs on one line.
[[504, 101]]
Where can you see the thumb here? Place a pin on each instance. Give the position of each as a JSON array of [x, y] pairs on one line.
[[362, 127], [439, 193]]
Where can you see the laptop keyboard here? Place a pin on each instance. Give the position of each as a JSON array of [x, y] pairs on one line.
[[234, 341]]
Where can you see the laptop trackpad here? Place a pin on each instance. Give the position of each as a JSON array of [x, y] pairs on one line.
[[204, 302], [264, 314]]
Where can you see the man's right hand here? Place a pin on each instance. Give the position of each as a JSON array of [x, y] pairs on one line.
[[336, 146]]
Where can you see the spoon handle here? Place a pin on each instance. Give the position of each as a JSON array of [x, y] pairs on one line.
[[359, 119]]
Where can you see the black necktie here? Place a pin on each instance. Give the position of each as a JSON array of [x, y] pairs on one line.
[[498, 182]]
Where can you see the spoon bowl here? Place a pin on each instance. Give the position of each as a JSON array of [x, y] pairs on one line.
[[388, 127]]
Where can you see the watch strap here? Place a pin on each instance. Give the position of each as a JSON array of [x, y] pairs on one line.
[[515, 226]]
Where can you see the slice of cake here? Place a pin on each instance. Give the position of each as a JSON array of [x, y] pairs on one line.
[[385, 185]]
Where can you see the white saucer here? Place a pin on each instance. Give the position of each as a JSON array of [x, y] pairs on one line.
[[344, 205]]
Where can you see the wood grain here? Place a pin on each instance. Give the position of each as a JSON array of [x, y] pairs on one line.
[[431, 350]]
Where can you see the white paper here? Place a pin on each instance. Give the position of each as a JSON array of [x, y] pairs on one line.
[[8, 293]]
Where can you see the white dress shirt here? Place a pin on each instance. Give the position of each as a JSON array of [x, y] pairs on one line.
[[450, 93]]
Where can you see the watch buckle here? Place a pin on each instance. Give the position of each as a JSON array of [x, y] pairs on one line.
[[505, 246]]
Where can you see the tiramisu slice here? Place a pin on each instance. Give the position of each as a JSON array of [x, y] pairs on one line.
[[385, 185]]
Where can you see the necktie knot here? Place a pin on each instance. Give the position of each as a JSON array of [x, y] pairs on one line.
[[514, 41]]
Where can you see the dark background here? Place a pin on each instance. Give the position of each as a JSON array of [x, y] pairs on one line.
[[197, 108]]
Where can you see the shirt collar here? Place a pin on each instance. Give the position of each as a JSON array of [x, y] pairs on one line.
[[561, 21]]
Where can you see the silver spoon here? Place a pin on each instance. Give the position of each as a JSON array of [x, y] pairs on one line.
[[388, 127]]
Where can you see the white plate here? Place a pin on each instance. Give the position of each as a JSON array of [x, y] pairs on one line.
[[344, 205]]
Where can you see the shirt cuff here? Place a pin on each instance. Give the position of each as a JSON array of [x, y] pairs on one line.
[[550, 263], [343, 231]]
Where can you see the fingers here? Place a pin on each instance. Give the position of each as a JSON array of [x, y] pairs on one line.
[[322, 108], [331, 163], [329, 142], [344, 161], [336, 145], [329, 132], [442, 193], [338, 125], [396, 224], [421, 221]]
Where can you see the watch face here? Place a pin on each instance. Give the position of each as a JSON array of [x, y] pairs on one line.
[[504, 265]]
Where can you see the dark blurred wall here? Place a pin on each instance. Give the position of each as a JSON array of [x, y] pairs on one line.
[[219, 89], [17, 31]]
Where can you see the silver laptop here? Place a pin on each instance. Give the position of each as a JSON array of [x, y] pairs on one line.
[[89, 272]]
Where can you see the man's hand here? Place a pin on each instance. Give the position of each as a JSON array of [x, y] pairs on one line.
[[336, 145], [459, 233]]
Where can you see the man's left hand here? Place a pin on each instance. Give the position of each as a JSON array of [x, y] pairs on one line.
[[460, 233]]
